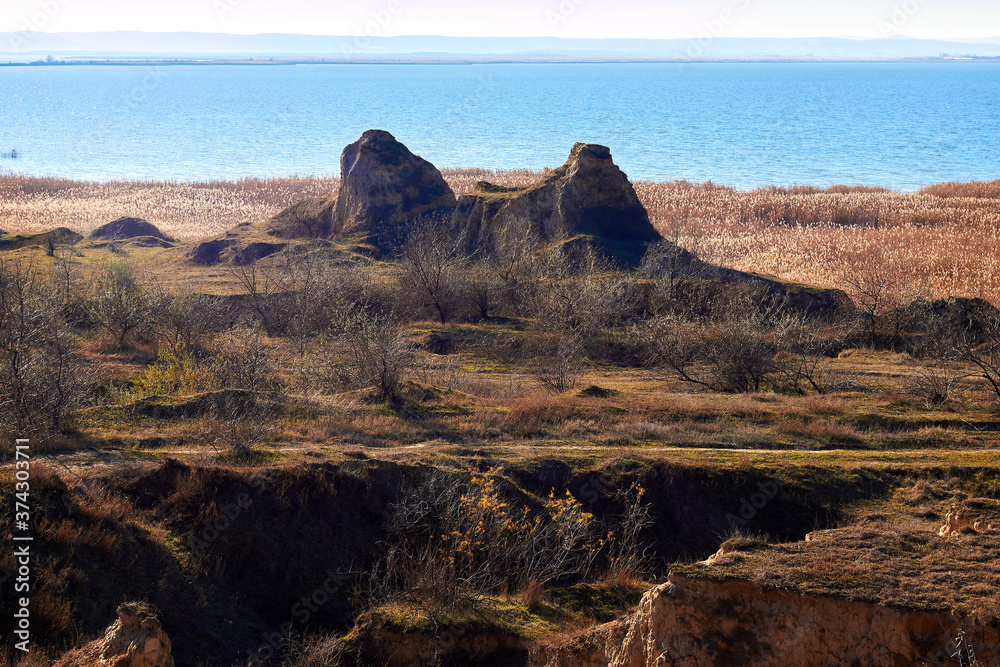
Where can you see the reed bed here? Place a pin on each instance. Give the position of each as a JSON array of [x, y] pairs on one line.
[[941, 241], [186, 211], [938, 245]]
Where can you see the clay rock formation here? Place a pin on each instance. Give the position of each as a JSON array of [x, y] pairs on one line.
[[384, 188], [957, 522], [53, 237], [136, 639], [589, 196], [690, 621]]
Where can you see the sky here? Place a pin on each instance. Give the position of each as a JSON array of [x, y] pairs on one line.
[[647, 19]]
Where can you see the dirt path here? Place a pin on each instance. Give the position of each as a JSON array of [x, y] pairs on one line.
[[83, 462]]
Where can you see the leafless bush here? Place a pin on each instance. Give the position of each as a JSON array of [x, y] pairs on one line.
[[42, 377], [301, 294], [433, 260], [581, 295], [121, 303], [558, 360], [735, 351], [239, 424], [627, 552], [246, 411], [187, 319], [936, 384], [881, 292], [240, 360], [316, 651], [380, 352], [807, 348], [982, 349], [671, 269]]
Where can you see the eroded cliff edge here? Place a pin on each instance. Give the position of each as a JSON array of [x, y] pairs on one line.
[[698, 621]]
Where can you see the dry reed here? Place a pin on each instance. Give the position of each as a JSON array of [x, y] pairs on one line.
[[943, 240]]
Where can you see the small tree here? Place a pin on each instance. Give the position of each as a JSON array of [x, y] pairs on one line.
[[121, 304], [432, 261], [881, 293], [42, 378], [380, 353]]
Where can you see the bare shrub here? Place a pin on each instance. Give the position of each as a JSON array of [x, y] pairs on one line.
[[432, 260], [627, 551], [881, 293], [240, 360], [671, 268], [239, 424], [187, 319], [297, 294], [122, 303], [983, 351], [558, 360], [735, 351], [581, 294], [316, 651], [380, 352], [42, 377], [936, 384]]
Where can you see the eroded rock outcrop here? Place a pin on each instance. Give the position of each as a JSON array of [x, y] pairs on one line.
[[384, 188], [589, 196], [136, 639], [695, 622], [957, 521]]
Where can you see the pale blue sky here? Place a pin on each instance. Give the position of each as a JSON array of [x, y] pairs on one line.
[[561, 18]]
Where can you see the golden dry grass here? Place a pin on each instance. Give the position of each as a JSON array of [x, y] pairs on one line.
[[943, 245], [943, 240], [187, 211]]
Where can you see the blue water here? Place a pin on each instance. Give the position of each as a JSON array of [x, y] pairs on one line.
[[900, 125]]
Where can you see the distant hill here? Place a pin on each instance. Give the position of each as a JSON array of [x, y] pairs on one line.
[[140, 44]]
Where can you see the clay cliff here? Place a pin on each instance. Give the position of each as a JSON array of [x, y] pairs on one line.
[[134, 640], [699, 622]]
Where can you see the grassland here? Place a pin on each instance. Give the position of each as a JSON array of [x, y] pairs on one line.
[[943, 240], [870, 465]]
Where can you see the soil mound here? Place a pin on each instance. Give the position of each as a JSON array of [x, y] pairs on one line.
[[129, 228], [54, 237]]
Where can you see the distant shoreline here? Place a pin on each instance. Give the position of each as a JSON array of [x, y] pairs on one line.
[[471, 60]]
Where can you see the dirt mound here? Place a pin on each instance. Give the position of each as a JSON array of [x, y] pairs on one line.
[[213, 402], [129, 228], [54, 237], [309, 219]]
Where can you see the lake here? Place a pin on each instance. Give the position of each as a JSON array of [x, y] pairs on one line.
[[900, 125]]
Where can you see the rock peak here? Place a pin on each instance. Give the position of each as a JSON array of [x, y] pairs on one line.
[[384, 188], [588, 197], [591, 151]]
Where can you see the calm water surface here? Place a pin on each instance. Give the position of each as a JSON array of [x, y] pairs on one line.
[[900, 125]]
